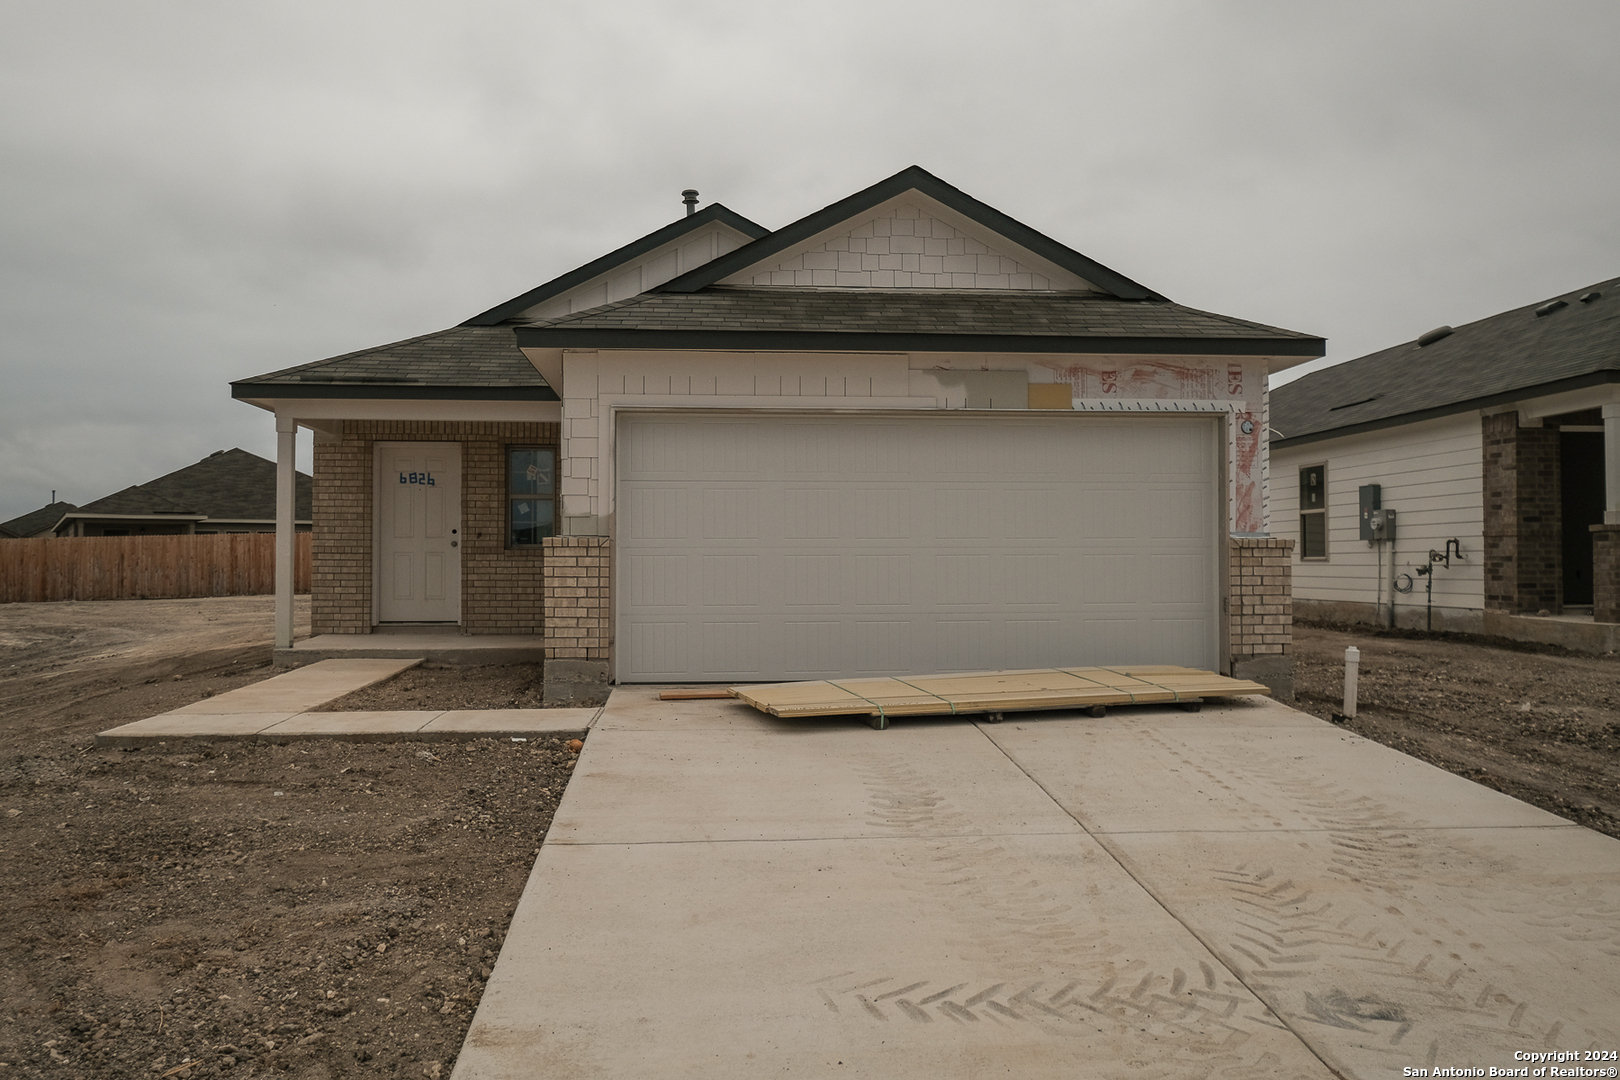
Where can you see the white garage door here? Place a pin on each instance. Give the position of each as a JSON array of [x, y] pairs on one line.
[[755, 547]]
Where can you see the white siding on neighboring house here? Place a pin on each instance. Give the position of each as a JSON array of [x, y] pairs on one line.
[[1430, 474]]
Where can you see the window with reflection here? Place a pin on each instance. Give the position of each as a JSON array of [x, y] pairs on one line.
[[531, 495]]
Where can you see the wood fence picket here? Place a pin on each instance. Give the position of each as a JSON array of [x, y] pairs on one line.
[[146, 567]]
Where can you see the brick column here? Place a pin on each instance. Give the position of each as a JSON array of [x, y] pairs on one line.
[[1606, 573], [1524, 557], [578, 616], [341, 601], [1260, 612]]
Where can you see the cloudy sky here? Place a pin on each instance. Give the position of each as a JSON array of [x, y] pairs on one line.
[[194, 192]]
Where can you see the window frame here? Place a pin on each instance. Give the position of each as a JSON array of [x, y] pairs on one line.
[[1320, 512], [513, 497]]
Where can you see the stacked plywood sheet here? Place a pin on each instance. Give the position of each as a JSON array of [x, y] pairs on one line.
[[992, 692]]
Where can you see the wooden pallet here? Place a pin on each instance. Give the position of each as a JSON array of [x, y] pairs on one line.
[[993, 692]]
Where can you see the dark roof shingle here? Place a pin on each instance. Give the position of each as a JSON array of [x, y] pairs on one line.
[[919, 318], [467, 358], [1476, 365]]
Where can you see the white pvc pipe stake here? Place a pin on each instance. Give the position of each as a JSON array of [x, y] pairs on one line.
[[1352, 661]]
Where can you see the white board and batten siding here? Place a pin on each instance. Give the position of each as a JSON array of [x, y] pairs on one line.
[[1431, 475], [768, 547]]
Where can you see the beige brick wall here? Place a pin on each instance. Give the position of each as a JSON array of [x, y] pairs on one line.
[[578, 598], [1260, 597], [501, 590]]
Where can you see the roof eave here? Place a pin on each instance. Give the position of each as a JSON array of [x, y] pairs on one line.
[[543, 337], [256, 392]]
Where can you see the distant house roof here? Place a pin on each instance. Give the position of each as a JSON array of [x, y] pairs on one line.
[[38, 521], [808, 318], [1569, 342], [226, 486], [232, 485], [463, 362]]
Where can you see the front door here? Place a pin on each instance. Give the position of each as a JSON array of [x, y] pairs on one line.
[[418, 532]]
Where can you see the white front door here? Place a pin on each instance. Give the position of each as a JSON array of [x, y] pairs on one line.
[[418, 532]]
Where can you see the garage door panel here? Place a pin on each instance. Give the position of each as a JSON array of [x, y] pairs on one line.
[[661, 513], [881, 646], [813, 547], [1032, 579], [882, 580], [880, 513], [812, 580], [728, 450], [653, 581], [660, 648], [812, 513], [732, 649], [731, 513], [730, 580]]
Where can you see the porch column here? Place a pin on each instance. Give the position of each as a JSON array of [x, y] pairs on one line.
[[286, 515], [1611, 464]]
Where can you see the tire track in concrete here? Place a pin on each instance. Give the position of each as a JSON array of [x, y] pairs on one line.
[[1382, 951], [1059, 972]]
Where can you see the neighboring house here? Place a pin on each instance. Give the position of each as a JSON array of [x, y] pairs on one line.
[[903, 434], [1499, 439], [41, 522], [229, 491]]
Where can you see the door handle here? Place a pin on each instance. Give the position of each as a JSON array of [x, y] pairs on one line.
[[453, 543]]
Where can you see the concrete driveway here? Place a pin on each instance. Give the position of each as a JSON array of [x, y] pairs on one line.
[[1241, 892]]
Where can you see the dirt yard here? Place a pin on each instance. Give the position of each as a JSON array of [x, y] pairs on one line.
[[1536, 722], [318, 910], [329, 910]]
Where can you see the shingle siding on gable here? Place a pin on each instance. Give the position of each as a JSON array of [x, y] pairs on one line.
[[906, 250]]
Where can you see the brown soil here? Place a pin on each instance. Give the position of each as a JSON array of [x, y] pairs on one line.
[[1537, 722], [494, 686], [316, 910], [329, 910]]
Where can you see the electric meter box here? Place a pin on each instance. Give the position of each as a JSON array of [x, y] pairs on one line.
[[1383, 524], [1371, 501]]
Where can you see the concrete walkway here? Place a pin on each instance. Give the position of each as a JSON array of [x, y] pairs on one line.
[[1243, 892], [278, 710]]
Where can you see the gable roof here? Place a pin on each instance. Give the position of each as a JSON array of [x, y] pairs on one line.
[[227, 485], [37, 521], [461, 363], [1569, 342], [232, 485], [728, 317], [714, 212], [914, 178]]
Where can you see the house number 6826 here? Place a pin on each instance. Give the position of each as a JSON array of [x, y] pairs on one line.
[[416, 478]]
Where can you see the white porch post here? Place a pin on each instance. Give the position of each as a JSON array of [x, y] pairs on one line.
[[286, 515], [1611, 464]]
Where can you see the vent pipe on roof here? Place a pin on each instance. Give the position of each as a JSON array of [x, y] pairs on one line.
[[1551, 306], [689, 197], [1434, 335], [1587, 298]]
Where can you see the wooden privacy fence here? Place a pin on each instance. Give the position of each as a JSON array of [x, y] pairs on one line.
[[146, 567]]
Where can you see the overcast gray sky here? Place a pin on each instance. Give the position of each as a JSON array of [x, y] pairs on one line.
[[194, 192]]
